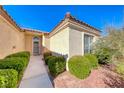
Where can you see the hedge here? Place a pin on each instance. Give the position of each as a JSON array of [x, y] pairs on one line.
[[8, 78], [23, 60], [47, 59], [79, 66], [13, 63], [20, 54], [92, 59], [56, 65], [46, 54], [18, 62]]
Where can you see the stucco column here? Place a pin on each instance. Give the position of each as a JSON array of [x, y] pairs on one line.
[[67, 68], [82, 43]]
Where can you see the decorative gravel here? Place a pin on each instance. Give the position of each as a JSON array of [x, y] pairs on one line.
[[99, 78]]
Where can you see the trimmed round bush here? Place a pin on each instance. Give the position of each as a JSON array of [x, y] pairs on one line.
[[79, 66], [92, 59], [56, 65], [8, 78]]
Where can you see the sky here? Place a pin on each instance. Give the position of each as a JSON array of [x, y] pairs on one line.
[[45, 18]]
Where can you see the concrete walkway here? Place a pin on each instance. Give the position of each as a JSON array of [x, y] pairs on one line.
[[36, 75]]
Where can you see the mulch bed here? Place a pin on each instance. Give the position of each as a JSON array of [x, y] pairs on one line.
[[102, 77]]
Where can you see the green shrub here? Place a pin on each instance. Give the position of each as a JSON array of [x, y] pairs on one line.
[[55, 59], [120, 68], [92, 59], [47, 59], [79, 66], [104, 55], [2, 82], [8, 78], [13, 63], [23, 60], [46, 54], [20, 54], [18, 62], [56, 65]]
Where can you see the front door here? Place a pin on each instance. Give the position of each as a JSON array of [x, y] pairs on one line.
[[36, 48]]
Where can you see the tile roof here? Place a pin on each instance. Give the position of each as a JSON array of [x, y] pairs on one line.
[[8, 17], [70, 17], [34, 30]]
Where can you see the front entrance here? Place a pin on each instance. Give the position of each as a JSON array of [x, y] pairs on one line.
[[36, 50]]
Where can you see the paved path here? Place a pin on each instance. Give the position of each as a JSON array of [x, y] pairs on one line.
[[36, 75]]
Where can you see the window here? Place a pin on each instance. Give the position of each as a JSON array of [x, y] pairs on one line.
[[35, 38], [88, 39]]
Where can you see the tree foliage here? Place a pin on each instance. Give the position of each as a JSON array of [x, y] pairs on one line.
[[113, 43]]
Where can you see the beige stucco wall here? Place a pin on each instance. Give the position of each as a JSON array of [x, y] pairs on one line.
[[75, 42], [59, 43], [41, 47], [11, 39], [45, 43], [69, 41], [28, 43]]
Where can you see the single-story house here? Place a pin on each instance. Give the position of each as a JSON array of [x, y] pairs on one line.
[[70, 37]]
